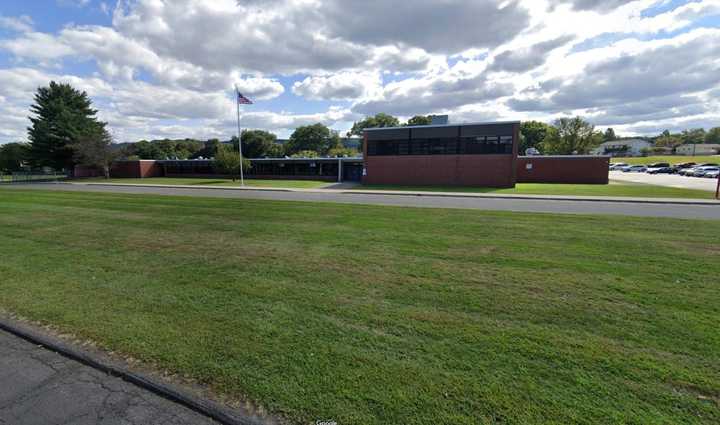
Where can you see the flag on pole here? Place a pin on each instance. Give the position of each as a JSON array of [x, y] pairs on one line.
[[242, 100]]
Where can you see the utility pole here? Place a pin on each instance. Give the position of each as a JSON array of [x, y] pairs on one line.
[[237, 100]]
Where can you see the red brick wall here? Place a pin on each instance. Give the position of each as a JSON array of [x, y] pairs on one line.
[[451, 170], [443, 170], [136, 169], [563, 169], [150, 169]]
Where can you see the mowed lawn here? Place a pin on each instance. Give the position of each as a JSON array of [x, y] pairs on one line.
[[612, 189], [296, 184], [622, 189], [383, 315]]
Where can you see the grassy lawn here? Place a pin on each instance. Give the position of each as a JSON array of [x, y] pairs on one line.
[[674, 159], [297, 184], [612, 189], [383, 315]]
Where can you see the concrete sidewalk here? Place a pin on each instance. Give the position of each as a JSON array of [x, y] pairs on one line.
[[622, 199], [40, 387]]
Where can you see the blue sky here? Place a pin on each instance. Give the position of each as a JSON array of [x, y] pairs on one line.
[[158, 69]]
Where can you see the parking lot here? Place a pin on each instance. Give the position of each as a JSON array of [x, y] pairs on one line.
[[671, 180]]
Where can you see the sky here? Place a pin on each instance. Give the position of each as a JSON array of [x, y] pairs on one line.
[[166, 68]]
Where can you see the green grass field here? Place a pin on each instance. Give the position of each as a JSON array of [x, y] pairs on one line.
[[612, 189], [383, 315], [295, 184], [674, 159]]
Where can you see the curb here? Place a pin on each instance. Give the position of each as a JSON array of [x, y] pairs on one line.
[[656, 201], [173, 186], [204, 407], [630, 200]]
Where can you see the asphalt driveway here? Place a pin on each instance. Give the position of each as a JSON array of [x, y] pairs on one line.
[[41, 387], [710, 211], [669, 180]]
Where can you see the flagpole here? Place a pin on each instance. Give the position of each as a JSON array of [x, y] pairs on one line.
[[237, 99]]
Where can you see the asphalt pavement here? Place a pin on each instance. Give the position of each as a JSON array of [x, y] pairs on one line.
[[41, 387], [644, 209], [669, 180]]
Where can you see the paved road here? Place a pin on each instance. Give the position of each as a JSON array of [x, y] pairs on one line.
[[521, 205], [41, 387], [670, 180]]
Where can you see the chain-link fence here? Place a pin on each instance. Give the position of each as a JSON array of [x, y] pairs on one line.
[[44, 175]]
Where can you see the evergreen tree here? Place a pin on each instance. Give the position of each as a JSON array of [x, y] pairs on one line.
[[609, 135], [62, 117]]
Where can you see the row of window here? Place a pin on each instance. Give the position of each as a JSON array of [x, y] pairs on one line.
[[442, 146]]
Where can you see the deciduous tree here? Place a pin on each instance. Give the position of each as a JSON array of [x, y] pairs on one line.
[[379, 120], [227, 161], [342, 151], [713, 136], [256, 143], [420, 120], [94, 151], [571, 136], [693, 136], [532, 134], [316, 137], [13, 156]]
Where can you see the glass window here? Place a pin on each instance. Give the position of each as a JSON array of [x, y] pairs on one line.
[[420, 147], [475, 145]]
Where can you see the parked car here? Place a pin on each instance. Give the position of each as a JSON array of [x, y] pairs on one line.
[[658, 167], [700, 171], [713, 174], [689, 171], [661, 170], [618, 166], [693, 170], [635, 169], [677, 168]]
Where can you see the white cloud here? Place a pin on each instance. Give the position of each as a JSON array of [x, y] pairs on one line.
[[21, 23], [73, 3], [260, 88], [37, 45], [340, 86], [167, 67]]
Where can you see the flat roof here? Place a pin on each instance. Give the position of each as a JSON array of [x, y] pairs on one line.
[[562, 156], [333, 159], [342, 158], [441, 125]]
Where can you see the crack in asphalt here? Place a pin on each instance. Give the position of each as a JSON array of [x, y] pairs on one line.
[[39, 387]]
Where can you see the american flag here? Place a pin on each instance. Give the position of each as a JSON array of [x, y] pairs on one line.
[[242, 100]]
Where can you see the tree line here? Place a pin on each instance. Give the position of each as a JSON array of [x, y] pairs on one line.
[[575, 135], [65, 132]]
